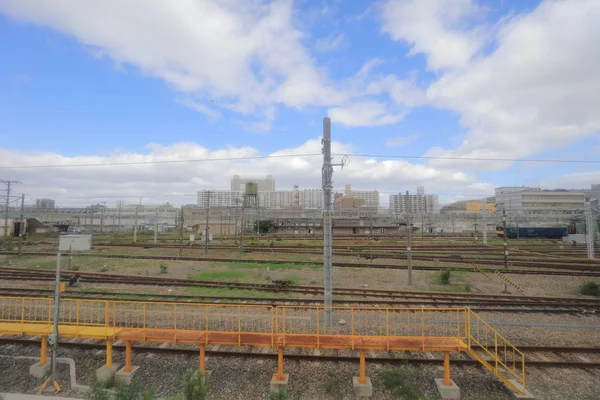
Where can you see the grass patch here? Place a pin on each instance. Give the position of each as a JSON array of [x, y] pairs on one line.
[[41, 265], [444, 277], [589, 289], [333, 385], [272, 267], [402, 384], [224, 293], [218, 275]]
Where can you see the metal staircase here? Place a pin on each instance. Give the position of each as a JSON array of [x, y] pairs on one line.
[[495, 353]]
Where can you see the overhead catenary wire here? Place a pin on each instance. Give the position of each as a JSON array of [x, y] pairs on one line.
[[275, 156]]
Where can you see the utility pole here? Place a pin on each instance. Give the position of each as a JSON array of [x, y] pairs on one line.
[[53, 337], [135, 224], [484, 219], [155, 225], [589, 230], [207, 219], [242, 225], [409, 239], [181, 232], [8, 184], [102, 216], [22, 223], [505, 245], [119, 219], [327, 175]]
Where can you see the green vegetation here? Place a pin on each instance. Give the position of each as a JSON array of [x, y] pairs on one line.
[[121, 391], [195, 386], [332, 385], [266, 226], [590, 289], [281, 395], [445, 277], [41, 265], [218, 275], [402, 384], [164, 268], [272, 267], [224, 293]]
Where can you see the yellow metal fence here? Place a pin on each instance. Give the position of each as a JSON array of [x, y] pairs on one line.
[[281, 323]]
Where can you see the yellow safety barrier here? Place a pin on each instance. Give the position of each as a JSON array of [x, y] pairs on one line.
[[360, 328], [480, 270], [501, 275]]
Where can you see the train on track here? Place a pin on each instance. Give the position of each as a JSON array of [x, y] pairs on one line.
[[529, 232]]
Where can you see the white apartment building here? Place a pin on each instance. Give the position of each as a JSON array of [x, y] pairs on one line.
[[371, 197], [417, 204], [312, 199], [221, 198]]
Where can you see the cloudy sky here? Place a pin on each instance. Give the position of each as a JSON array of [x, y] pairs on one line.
[[415, 89]]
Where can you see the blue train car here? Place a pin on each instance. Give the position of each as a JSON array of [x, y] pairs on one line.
[[539, 232]]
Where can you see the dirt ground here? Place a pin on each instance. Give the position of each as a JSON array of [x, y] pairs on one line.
[[247, 271]]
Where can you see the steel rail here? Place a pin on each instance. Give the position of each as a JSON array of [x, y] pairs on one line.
[[307, 357]]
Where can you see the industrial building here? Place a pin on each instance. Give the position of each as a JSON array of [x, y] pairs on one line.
[[536, 200]]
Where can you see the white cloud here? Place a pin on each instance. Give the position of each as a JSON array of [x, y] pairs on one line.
[[401, 141], [535, 90], [209, 112], [166, 181], [435, 28], [330, 43], [365, 113], [246, 54], [243, 52]]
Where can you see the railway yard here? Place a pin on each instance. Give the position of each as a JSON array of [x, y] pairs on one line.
[[538, 304]]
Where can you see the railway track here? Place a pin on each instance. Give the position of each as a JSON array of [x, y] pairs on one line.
[[539, 356], [479, 249], [365, 296], [553, 270]]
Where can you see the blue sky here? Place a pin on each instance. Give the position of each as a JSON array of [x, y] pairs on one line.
[[102, 80]]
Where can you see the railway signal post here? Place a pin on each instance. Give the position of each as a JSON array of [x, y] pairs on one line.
[[53, 337], [505, 246]]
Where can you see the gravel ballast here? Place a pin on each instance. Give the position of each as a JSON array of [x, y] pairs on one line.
[[243, 378]]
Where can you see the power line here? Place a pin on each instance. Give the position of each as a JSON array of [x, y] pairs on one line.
[[471, 158], [110, 164]]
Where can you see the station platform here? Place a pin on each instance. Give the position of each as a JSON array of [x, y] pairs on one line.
[[357, 328]]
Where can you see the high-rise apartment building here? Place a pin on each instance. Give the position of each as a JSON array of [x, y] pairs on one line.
[[417, 203], [44, 204], [371, 197], [220, 198]]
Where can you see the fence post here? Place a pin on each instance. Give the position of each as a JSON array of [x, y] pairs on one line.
[[423, 329], [496, 349], [352, 323], [318, 342]]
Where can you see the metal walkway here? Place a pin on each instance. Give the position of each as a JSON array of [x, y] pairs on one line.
[[357, 328]]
